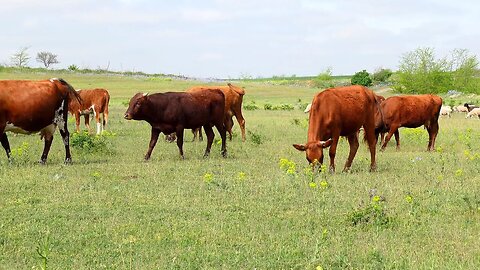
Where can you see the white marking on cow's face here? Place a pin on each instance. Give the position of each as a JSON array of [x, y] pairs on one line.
[[12, 128], [58, 119]]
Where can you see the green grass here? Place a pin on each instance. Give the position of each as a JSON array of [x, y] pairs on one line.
[[112, 210]]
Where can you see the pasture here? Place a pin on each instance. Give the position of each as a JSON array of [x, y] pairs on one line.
[[260, 208]]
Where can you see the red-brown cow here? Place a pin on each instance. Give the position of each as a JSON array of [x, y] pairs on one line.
[[339, 112], [411, 112], [95, 100], [175, 111], [36, 106], [233, 106]]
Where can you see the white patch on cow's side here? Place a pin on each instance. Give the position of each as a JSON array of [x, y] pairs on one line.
[[58, 119], [12, 128], [99, 128], [93, 109]]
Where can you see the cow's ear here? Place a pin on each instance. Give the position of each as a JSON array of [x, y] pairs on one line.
[[300, 147], [325, 144]]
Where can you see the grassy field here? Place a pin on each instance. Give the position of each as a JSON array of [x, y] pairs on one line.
[[260, 208]]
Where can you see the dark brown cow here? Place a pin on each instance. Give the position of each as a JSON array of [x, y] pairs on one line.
[[36, 106], [95, 100], [411, 112], [339, 112], [233, 106], [175, 111]]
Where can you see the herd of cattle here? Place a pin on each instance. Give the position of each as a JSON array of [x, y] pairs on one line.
[[40, 106]]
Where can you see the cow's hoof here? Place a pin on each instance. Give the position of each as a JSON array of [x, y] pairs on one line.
[[42, 162], [224, 154], [68, 161]]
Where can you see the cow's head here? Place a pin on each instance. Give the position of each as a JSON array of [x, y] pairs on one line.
[[314, 150], [134, 110]]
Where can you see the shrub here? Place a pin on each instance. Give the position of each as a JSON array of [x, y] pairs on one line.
[[73, 67], [92, 143], [255, 137], [374, 213], [250, 106], [267, 106], [382, 75], [283, 107], [324, 79], [362, 78]]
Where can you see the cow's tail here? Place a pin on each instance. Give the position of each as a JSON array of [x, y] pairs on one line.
[[72, 94], [105, 109], [237, 89]]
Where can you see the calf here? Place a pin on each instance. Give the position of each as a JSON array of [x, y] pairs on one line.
[[411, 112], [173, 112], [339, 112], [233, 106], [446, 111], [95, 100], [470, 107], [36, 106]]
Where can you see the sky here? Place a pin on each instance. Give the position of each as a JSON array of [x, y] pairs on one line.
[[236, 38]]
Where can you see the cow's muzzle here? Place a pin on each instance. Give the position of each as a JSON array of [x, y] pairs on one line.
[[127, 116]]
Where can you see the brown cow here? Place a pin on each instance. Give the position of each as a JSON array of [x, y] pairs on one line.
[[95, 100], [36, 106], [233, 106], [175, 111], [411, 112], [339, 112]]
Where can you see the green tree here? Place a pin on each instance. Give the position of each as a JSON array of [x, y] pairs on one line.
[[324, 79], [362, 78], [421, 72], [382, 75]]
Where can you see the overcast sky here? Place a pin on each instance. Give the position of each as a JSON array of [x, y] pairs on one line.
[[233, 38]]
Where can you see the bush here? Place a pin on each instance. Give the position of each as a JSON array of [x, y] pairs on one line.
[[92, 143], [324, 79], [250, 106], [283, 107], [382, 75], [362, 78], [73, 67], [267, 106]]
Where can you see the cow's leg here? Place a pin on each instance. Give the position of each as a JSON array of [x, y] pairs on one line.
[[48, 137], [229, 126], [87, 121], [153, 141], [353, 142], [77, 122], [61, 117], [432, 135], [223, 134], [392, 130], [97, 120], [210, 135], [241, 122], [5, 144], [397, 139], [372, 144], [195, 134], [332, 152], [179, 133], [200, 135]]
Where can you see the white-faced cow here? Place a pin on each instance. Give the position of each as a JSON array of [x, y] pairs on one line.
[[409, 111], [95, 100], [233, 106], [339, 112], [36, 106], [175, 111]]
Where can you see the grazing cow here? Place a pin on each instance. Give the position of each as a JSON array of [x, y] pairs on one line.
[[175, 111], [411, 112], [473, 112], [470, 107], [233, 106], [36, 106], [95, 100], [339, 112], [446, 111]]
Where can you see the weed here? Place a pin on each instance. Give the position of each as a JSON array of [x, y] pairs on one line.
[[92, 143], [255, 138], [21, 154], [251, 106], [373, 213]]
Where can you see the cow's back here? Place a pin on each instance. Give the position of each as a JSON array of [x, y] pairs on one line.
[[343, 110], [29, 104], [233, 96], [411, 111]]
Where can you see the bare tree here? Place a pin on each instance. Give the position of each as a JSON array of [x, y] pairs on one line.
[[20, 58], [47, 58]]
